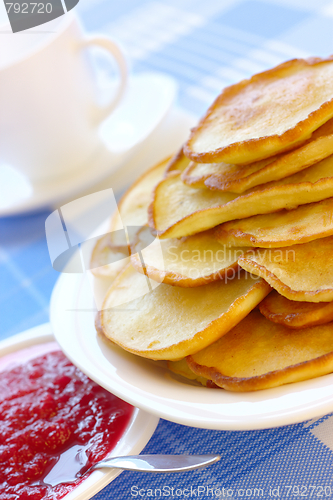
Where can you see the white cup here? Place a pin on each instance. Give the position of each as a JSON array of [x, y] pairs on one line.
[[49, 114]]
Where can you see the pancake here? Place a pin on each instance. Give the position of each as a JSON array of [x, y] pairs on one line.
[[223, 176], [178, 210], [285, 228], [181, 368], [299, 272], [178, 162], [295, 314], [239, 178], [133, 206], [259, 354], [160, 321], [106, 260], [272, 112], [187, 262]]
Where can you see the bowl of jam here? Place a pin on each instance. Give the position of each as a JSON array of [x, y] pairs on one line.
[[55, 422]]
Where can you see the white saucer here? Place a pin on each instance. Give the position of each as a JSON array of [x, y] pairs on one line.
[[147, 102]]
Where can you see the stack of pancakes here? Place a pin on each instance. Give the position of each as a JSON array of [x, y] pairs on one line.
[[229, 276]]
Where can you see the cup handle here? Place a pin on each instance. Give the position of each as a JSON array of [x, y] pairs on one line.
[[102, 112]]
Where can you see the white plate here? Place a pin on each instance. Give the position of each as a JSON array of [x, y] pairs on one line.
[[148, 99], [136, 436], [150, 386]]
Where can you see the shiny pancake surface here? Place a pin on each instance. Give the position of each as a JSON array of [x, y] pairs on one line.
[[285, 228], [259, 354], [295, 314], [272, 112], [299, 272], [160, 321], [187, 262]]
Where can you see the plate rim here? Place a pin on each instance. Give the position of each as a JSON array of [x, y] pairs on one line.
[[142, 423], [220, 421]]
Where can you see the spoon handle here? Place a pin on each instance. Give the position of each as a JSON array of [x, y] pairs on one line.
[[158, 463]]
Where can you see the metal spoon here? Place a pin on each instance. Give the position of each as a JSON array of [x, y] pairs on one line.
[[140, 463]]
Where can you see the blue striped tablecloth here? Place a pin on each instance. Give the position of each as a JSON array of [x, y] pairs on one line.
[[205, 45]]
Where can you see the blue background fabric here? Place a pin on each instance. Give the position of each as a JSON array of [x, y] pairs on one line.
[[204, 45]]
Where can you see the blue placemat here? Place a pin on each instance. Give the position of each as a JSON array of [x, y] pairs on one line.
[[288, 462]]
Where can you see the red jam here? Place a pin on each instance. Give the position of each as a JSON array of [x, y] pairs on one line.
[[47, 407]]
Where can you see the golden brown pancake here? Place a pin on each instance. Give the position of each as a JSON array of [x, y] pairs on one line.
[[259, 354], [106, 260], [239, 178], [178, 162], [187, 262], [299, 272], [181, 368], [160, 321], [272, 112], [178, 210], [223, 176], [285, 228], [133, 206], [295, 314]]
